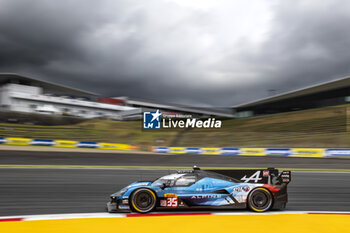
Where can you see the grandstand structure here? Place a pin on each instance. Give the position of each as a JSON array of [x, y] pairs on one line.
[[24, 94], [332, 93], [28, 95], [169, 108], [19, 93]]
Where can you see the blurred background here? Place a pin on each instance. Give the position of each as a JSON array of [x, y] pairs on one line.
[[314, 116]]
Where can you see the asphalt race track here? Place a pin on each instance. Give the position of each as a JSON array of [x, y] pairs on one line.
[[26, 191]]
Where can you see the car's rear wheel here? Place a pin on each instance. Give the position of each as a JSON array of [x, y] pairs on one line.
[[143, 200], [260, 200]]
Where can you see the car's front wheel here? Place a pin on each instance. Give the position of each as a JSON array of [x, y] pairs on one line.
[[143, 200], [260, 200]]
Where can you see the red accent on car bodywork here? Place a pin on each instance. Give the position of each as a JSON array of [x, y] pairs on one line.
[[272, 188]]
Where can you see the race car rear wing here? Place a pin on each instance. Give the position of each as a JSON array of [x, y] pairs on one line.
[[266, 176], [284, 178]]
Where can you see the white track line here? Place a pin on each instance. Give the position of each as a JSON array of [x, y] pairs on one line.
[[64, 216]]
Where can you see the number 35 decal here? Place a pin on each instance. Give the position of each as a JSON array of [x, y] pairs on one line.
[[171, 202]]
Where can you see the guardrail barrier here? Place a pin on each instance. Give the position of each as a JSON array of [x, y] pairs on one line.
[[65, 143], [285, 152]]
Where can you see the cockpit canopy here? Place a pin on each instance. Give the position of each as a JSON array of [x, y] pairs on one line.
[[189, 178]]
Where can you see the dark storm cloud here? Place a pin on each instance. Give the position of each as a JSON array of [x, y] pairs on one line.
[[307, 45], [160, 50]]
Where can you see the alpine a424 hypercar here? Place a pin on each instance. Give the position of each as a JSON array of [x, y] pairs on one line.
[[258, 190]]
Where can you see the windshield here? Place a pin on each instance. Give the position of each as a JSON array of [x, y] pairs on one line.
[[186, 180], [169, 180]]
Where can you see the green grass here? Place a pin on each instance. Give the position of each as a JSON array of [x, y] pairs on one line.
[[323, 127]]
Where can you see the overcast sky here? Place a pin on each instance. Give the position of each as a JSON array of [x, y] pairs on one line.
[[197, 52]]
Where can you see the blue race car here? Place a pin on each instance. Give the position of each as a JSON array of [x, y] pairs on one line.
[[258, 190]]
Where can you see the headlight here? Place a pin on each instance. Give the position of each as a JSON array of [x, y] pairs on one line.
[[119, 193]]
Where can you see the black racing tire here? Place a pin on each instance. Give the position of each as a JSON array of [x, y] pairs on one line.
[[260, 200], [143, 200]]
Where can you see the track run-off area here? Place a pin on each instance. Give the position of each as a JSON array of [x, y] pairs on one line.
[[180, 222], [46, 183]]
